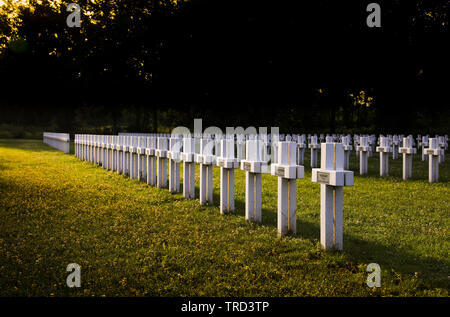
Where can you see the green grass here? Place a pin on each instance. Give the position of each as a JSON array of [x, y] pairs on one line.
[[131, 239]]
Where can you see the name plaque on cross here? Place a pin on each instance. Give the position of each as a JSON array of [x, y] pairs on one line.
[[323, 177], [246, 166], [280, 171]]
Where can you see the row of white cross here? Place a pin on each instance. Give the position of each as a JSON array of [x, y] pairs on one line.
[[146, 158], [364, 145]]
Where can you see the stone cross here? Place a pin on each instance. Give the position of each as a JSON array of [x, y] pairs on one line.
[[395, 144], [314, 146], [206, 160], [188, 157], [197, 138], [363, 148], [227, 163], [79, 148], [253, 167], [384, 149], [101, 149], [161, 161], [114, 153], [408, 152], [108, 151], [356, 139], [443, 146], [266, 148], [288, 172], [424, 144], [133, 157], [174, 156], [301, 146], [93, 145], [112, 146], [85, 146], [151, 160], [274, 148], [76, 142], [240, 146], [434, 152], [142, 161], [217, 139], [105, 152], [126, 156], [347, 150], [332, 178], [372, 144], [90, 144], [119, 146], [321, 138]]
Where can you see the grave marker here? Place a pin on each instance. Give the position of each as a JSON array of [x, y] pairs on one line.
[[174, 156], [314, 146], [126, 156], [301, 146], [119, 158], [240, 146], [384, 149], [140, 153], [363, 148], [332, 178], [104, 151], [395, 143], [443, 146], [133, 156], [227, 163], [408, 152], [161, 155], [288, 172], [424, 144], [356, 140], [206, 160], [434, 152], [151, 160], [253, 167], [188, 157], [275, 138], [347, 150], [98, 140]]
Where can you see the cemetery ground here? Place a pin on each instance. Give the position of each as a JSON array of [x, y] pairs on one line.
[[131, 239]]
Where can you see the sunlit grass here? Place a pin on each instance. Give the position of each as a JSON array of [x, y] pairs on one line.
[[131, 239]]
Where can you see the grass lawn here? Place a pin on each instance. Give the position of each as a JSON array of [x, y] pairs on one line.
[[132, 240]]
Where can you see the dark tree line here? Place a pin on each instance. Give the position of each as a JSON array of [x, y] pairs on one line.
[[152, 65]]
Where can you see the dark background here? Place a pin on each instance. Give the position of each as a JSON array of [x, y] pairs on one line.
[[147, 66]]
